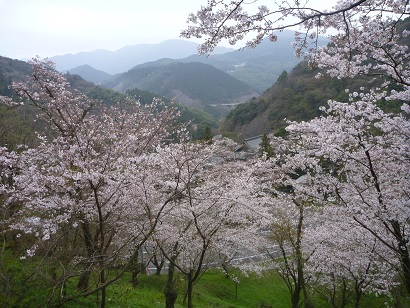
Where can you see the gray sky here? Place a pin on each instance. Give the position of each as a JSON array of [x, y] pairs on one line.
[[53, 27]]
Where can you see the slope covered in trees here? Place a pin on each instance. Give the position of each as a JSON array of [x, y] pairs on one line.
[[89, 73], [258, 67], [193, 84], [296, 96], [20, 125], [201, 120], [345, 213], [113, 180]]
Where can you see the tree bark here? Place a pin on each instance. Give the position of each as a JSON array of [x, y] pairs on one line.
[[84, 278], [103, 290], [82, 284], [300, 283], [404, 254], [159, 264], [190, 287], [295, 298], [170, 290], [136, 268]]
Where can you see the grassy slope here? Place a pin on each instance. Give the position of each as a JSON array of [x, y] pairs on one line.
[[214, 290]]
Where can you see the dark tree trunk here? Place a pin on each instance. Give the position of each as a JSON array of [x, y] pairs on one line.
[[170, 290], [159, 264], [225, 268], [400, 238], [136, 269], [404, 254], [159, 268], [103, 290], [300, 283], [82, 284], [358, 291], [84, 278], [295, 299], [306, 301], [345, 296], [189, 292]]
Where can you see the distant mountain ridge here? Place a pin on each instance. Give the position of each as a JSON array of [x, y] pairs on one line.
[[193, 84], [123, 59], [91, 74], [258, 67]]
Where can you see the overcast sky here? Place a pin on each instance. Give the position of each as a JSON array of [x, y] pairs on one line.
[[54, 27]]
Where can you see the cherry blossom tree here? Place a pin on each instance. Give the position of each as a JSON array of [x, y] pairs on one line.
[[216, 214], [82, 189], [8, 162], [290, 212], [287, 232], [366, 37], [341, 181], [356, 158], [346, 262]]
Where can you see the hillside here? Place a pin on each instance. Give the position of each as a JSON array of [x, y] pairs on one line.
[[193, 84], [11, 70], [89, 73], [296, 96], [258, 67], [18, 125]]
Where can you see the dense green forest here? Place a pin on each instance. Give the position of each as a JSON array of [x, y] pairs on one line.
[[191, 83], [296, 96]]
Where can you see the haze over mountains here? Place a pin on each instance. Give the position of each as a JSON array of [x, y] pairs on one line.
[[123, 59], [259, 67], [214, 84], [295, 95], [91, 74]]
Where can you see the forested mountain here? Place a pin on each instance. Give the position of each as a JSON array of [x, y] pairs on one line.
[[11, 70], [295, 96], [89, 73], [16, 71], [201, 120], [193, 84], [258, 67], [123, 59], [19, 125]]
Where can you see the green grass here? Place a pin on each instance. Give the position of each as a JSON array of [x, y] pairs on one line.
[[214, 290]]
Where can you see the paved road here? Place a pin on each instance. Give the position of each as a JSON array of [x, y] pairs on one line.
[[274, 252]]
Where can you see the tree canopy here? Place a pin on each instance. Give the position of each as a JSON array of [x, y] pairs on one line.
[[366, 39]]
